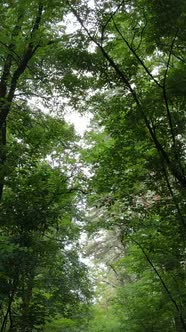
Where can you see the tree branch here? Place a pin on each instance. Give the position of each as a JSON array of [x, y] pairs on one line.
[[167, 104], [136, 55], [123, 77], [162, 283]]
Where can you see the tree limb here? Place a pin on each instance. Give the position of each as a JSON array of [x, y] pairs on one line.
[[162, 283]]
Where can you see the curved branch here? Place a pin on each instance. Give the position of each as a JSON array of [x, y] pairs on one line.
[[136, 55]]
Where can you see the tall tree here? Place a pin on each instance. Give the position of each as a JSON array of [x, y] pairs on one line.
[[139, 157], [41, 274], [27, 63]]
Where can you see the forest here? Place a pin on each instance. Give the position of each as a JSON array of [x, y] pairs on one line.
[[93, 225]]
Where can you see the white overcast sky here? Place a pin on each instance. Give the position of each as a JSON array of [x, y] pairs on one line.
[[80, 122]]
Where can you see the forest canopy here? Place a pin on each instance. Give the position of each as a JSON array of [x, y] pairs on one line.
[[122, 186]]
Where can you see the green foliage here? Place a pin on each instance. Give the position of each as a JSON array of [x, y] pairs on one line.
[[104, 320], [138, 157], [41, 275], [126, 64]]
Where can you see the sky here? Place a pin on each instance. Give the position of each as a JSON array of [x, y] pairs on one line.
[[80, 122]]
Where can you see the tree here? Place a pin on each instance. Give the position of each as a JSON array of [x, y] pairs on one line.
[[29, 67], [38, 178], [139, 158], [41, 275]]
